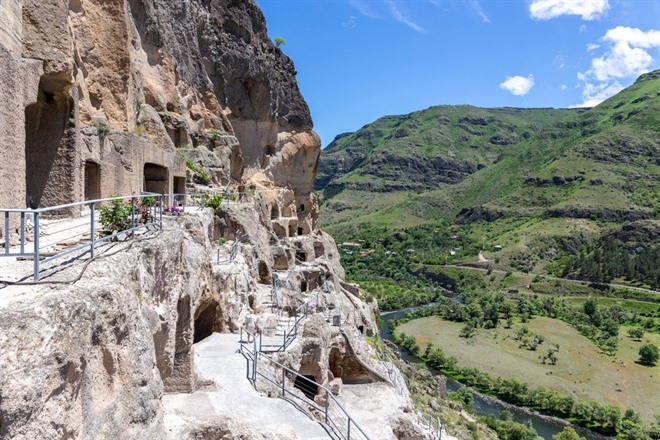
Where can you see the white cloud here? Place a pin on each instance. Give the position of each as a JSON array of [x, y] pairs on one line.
[[350, 22], [400, 16], [634, 37], [582, 29], [518, 85], [476, 7], [594, 94], [564, 87], [587, 9], [363, 8], [626, 55]]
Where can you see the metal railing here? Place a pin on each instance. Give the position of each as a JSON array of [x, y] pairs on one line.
[[433, 424], [233, 250], [272, 345], [330, 412], [27, 226], [30, 222]]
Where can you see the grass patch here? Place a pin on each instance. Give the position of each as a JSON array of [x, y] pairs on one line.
[[581, 370]]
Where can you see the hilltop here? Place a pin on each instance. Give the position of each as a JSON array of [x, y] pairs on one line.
[[523, 179]]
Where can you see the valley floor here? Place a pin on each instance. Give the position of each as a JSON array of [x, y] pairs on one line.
[[581, 370]]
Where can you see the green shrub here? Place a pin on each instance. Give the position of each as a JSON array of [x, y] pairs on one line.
[[102, 128], [201, 174], [116, 217], [214, 201]]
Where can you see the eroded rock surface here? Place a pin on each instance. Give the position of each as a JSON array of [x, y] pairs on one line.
[[113, 96]]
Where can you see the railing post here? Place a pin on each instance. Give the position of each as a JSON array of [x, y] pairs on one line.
[[6, 232], [133, 214], [161, 212], [348, 435], [283, 379], [92, 230], [327, 405], [254, 367], [36, 246], [22, 232]]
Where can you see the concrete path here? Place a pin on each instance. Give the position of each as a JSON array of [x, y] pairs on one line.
[[216, 359]]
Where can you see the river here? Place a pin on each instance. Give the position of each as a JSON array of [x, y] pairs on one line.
[[487, 406]]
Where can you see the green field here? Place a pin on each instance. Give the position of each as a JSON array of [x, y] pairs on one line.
[[581, 371]]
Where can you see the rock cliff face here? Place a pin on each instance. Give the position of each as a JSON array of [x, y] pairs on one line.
[[112, 96]]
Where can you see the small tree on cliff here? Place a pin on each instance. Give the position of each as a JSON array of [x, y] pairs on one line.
[[279, 41]]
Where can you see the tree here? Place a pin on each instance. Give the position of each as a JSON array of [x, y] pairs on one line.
[[279, 41], [636, 333], [648, 354], [590, 308], [567, 434]]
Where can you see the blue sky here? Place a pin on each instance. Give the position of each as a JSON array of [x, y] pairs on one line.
[[358, 60]]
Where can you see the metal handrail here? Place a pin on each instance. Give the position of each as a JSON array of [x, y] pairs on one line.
[[332, 412], [93, 241], [433, 424]]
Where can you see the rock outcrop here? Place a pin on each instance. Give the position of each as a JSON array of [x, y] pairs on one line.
[[113, 96]]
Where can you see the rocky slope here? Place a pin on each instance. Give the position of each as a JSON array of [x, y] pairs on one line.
[[565, 163]]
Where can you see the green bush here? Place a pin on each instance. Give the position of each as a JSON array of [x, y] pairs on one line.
[[648, 354], [201, 174], [214, 201], [116, 217]]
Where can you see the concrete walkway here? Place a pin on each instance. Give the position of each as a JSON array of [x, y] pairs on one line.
[[233, 396]]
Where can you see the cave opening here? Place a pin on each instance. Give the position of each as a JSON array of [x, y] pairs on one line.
[[156, 178], [274, 213], [264, 273], [92, 180], [179, 184], [206, 321], [303, 286], [307, 385]]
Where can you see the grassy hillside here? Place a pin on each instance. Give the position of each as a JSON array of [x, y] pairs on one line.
[[541, 183]]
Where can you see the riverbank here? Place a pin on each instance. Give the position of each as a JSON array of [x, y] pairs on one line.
[[546, 426]]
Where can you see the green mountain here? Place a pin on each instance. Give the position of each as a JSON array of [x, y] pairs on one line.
[[529, 180]]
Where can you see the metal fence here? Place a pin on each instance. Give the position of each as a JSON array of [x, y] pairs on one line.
[[36, 233], [295, 387], [38, 237]]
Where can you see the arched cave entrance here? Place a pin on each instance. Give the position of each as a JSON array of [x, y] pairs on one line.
[[50, 147], [207, 320], [264, 273], [179, 184], [307, 385], [303, 286], [92, 180], [274, 213], [156, 178]]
